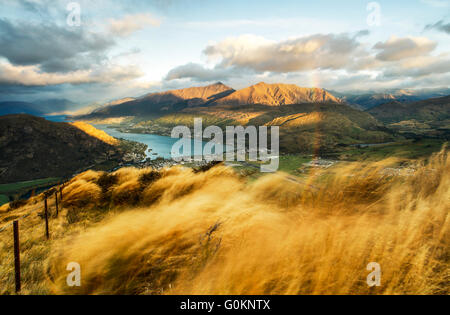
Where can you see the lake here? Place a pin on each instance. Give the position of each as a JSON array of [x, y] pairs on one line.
[[55, 118], [161, 146]]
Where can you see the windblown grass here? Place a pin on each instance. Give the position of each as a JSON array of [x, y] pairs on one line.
[[181, 232]]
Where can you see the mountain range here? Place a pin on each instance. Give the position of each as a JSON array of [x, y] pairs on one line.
[[157, 104], [277, 95], [38, 107], [161, 103], [369, 100], [429, 117], [309, 118]]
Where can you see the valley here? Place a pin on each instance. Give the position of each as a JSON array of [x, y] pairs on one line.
[[336, 163], [311, 120]]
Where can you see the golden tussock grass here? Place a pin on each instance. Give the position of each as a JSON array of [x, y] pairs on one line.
[[211, 233], [181, 232]]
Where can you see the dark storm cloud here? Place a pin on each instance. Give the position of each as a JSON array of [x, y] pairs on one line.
[[54, 48], [440, 26]]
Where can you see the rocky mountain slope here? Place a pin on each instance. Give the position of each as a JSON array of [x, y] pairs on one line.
[[32, 148], [277, 95], [160, 103]]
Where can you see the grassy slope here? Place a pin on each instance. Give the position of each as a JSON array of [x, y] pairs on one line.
[[270, 237], [304, 127]]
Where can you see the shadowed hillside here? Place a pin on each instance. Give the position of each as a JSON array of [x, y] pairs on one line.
[[303, 127], [32, 148], [435, 109], [430, 118]]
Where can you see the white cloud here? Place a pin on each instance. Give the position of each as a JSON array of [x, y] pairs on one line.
[[328, 60], [300, 54], [132, 23], [401, 48]]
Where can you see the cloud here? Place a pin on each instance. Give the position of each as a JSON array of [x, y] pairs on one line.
[[33, 76], [327, 60], [201, 73], [300, 54], [54, 48], [440, 26], [131, 23], [252, 55], [400, 48], [39, 7], [419, 67], [436, 3]]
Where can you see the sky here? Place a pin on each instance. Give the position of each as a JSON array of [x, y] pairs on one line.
[[96, 51]]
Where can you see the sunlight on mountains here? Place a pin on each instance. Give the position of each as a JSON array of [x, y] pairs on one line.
[[94, 132]]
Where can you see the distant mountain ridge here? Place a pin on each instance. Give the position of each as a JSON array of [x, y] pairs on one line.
[[38, 107], [8, 108], [430, 118], [368, 100], [422, 111]]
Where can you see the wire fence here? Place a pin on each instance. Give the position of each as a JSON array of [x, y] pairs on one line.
[[58, 206], [58, 195]]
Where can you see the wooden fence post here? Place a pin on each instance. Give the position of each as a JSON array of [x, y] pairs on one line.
[[56, 203], [46, 219], [17, 255]]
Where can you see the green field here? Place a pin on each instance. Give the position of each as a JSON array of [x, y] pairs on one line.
[[408, 149], [290, 163], [15, 187], [18, 189], [3, 199]]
